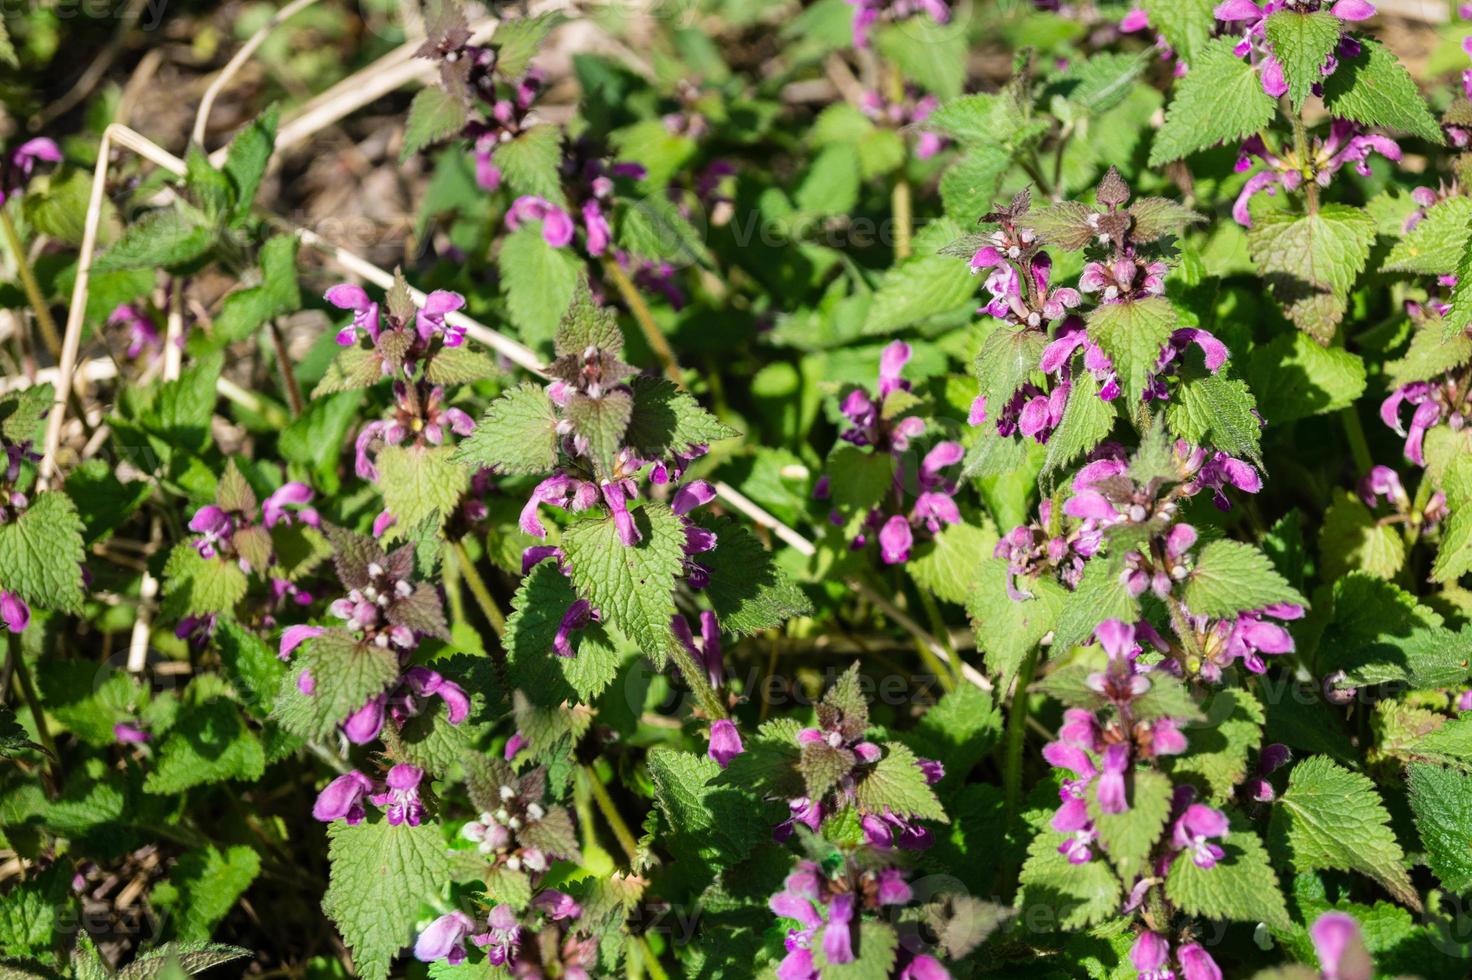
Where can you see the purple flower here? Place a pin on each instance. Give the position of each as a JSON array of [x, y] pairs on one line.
[[502, 936], [423, 682], [1151, 957], [557, 226], [708, 650], [1111, 788], [129, 734], [294, 636], [1194, 830], [1433, 402], [342, 799], [363, 725], [14, 611], [274, 510], [1346, 144], [401, 797], [1197, 964], [725, 742], [895, 539], [557, 905], [348, 296], [1254, 43], [869, 12], [924, 967], [143, 333], [1271, 758], [1341, 947], [444, 939], [579, 614], [430, 318], [213, 525], [16, 168]]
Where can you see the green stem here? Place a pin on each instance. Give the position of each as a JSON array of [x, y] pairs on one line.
[[1358, 446], [288, 376], [901, 205], [948, 674], [32, 288], [1017, 732], [611, 815], [22, 675], [478, 589], [694, 675], [656, 971]]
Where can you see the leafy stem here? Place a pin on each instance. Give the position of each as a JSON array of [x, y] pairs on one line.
[[32, 288], [1017, 731], [610, 813], [653, 336], [466, 566]]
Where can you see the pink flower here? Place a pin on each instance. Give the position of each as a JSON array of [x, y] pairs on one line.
[[444, 939], [342, 799], [14, 612], [292, 494], [294, 636], [557, 226], [430, 318], [1151, 957], [725, 742], [348, 296], [1341, 948]]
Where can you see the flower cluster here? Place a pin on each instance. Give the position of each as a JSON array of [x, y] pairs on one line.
[[553, 944], [517, 829], [1153, 958], [883, 423], [1324, 157], [397, 796], [144, 336], [828, 906], [1444, 400], [1384, 482], [1256, 47], [908, 112]]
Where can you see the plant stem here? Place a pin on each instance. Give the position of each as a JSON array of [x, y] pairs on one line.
[[1358, 446], [478, 589], [946, 672], [293, 390], [22, 675], [694, 675], [900, 204], [33, 289], [653, 336], [651, 962], [611, 815], [1017, 732]]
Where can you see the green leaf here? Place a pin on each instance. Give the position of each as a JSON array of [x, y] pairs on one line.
[[1454, 556], [1087, 421], [420, 483], [1129, 836], [1063, 895], [1353, 540], [517, 40], [926, 284], [1102, 81], [536, 613], [1218, 747], [41, 553], [346, 674], [1219, 100], [1186, 24], [1375, 89], [381, 874], [930, 54], [1302, 42], [711, 824], [164, 238], [653, 229], [196, 586], [190, 957], [1232, 577], [897, 784], [315, 438], [1460, 313], [211, 188], [1331, 818], [246, 310], [601, 424], [249, 154], [1006, 359], [1310, 261], [667, 420], [662, 153], [1431, 353], [1132, 334], [1100, 595], [1213, 410], [748, 590], [1240, 888], [209, 743], [1434, 247], [1008, 629], [516, 436], [1295, 378], [950, 563], [433, 115], [460, 365], [204, 886], [858, 479], [23, 413], [631, 586], [1442, 802], [251, 666], [529, 164], [538, 281]]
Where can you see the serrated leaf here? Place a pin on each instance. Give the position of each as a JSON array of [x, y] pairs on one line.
[[1310, 262], [1240, 888], [345, 674], [1087, 421], [1217, 411], [209, 743], [631, 586], [517, 435], [1375, 89], [1132, 334], [41, 553], [1232, 577], [666, 420], [538, 281], [1218, 747], [460, 365], [1100, 595], [1353, 540], [529, 164], [1129, 836], [1186, 24], [950, 563], [1331, 818], [163, 238], [380, 876], [517, 39], [857, 479], [419, 483], [1070, 896], [897, 784], [601, 424], [1441, 799], [1302, 43], [1295, 378], [433, 115], [1006, 359], [204, 885], [1434, 247], [532, 665], [1008, 629], [249, 153], [191, 957], [1220, 99], [748, 590], [246, 310], [1431, 353], [924, 285]]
